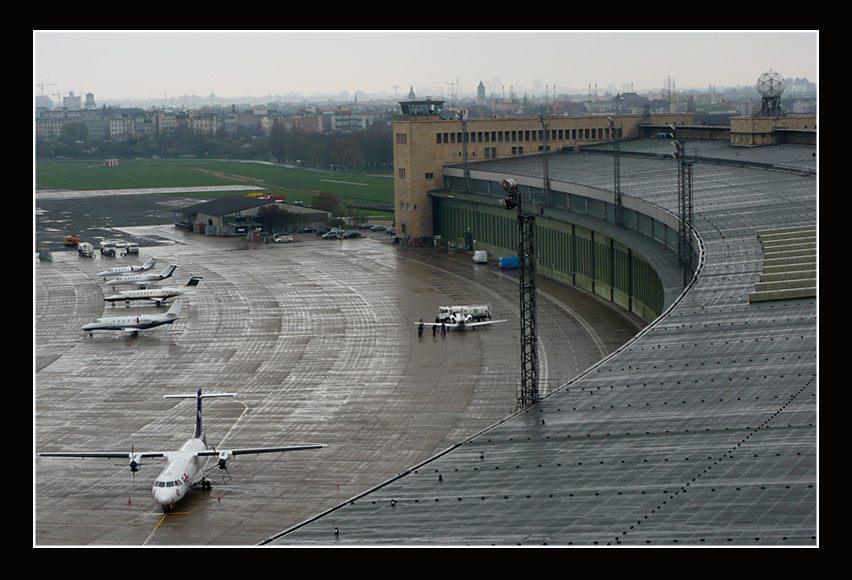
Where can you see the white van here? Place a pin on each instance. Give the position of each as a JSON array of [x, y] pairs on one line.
[[480, 257]]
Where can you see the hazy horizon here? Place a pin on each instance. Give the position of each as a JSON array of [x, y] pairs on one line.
[[140, 65]]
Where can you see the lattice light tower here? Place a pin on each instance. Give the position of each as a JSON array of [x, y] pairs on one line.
[[684, 209], [545, 198], [616, 169], [770, 85], [463, 117], [528, 393]]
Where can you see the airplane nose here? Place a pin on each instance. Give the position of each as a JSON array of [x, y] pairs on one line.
[[164, 496]]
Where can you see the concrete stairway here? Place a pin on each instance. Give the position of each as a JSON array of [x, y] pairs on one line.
[[789, 265]]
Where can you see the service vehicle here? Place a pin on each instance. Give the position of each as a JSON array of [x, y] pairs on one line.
[[86, 250], [510, 263]]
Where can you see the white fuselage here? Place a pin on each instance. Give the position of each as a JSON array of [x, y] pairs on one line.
[[139, 322], [138, 280], [150, 294], [125, 270], [184, 470], [143, 279]]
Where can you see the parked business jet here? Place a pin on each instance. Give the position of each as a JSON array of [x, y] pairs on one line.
[[134, 323], [185, 466], [119, 270], [158, 295], [143, 280]]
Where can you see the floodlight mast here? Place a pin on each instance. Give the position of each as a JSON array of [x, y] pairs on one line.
[[616, 168], [528, 391], [684, 207], [545, 201]]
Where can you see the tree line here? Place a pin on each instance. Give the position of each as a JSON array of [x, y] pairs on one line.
[[367, 151]]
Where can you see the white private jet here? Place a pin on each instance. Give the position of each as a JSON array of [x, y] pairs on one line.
[[134, 323], [157, 295], [142, 280], [185, 466], [119, 270]]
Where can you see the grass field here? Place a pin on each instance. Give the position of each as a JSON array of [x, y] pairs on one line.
[[297, 184]]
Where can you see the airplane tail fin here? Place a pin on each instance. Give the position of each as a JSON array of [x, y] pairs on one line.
[[175, 309], [168, 271], [199, 433], [193, 282]]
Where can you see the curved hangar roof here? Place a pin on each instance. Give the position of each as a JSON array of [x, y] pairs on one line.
[[700, 431]]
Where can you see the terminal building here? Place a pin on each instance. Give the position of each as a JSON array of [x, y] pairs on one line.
[[702, 429]]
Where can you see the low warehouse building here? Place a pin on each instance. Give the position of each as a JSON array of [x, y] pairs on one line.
[[237, 214]]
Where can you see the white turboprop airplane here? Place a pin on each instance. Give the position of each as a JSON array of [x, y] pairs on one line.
[[186, 465], [142, 280], [158, 295], [119, 270], [468, 316], [134, 323]]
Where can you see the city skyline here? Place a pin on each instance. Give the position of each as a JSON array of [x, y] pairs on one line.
[[120, 65]]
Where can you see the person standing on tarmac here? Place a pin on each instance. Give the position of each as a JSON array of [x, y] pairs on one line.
[[420, 329]]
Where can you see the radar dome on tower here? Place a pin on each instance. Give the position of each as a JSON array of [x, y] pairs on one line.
[[770, 85]]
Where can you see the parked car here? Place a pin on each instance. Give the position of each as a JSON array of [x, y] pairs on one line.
[[307, 230], [282, 238], [325, 231], [352, 234]]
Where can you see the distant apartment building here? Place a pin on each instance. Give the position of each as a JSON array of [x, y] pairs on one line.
[[165, 122], [308, 123], [121, 128], [345, 120]]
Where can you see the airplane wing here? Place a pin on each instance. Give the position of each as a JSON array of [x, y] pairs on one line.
[[258, 450], [105, 454], [458, 324], [483, 323]]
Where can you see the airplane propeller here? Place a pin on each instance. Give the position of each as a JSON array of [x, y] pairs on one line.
[[222, 462], [135, 461]]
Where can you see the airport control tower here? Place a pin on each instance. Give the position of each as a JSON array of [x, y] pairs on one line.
[[415, 170]]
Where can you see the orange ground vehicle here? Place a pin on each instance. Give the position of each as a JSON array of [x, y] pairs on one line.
[[72, 240]]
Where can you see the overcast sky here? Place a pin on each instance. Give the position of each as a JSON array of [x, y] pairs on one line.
[[144, 65]]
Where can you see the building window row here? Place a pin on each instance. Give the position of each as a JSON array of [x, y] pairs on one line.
[[581, 134]]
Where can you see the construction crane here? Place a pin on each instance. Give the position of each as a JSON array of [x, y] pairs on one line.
[[43, 84]]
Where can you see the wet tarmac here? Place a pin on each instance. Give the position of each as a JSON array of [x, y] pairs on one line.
[[317, 339]]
